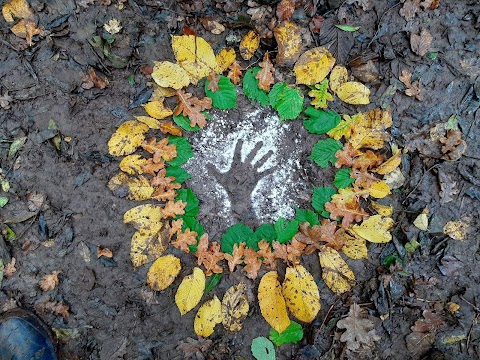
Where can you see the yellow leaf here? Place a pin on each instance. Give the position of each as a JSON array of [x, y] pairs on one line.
[[375, 229], [335, 272], [16, 9], [225, 58], [235, 307], [289, 41], [190, 291], [383, 210], [421, 221], [157, 110], [345, 127], [163, 272], [137, 188], [354, 248], [127, 138], [271, 301], [313, 66], [143, 216], [301, 293], [133, 164], [457, 230], [379, 190], [160, 93], [354, 93], [391, 164], [338, 76], [170, 75], [194, 55], [209, 315], [249, 45], [149, 121], [369, 131]]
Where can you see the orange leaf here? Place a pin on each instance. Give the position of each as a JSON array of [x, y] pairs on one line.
[[252, 263], [267, 254], [235, 72], [176, 227], [160, 149], [237, 256], [192, 108], [317, 235], [104, 252], [99, 83], [214, 79], [209, 256], [265, 76], [173, 208], [49, 282], [152, 168], [184, 239], [169, 128], [54, 307], [346, 205]]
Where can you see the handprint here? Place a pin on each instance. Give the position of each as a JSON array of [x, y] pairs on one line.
[[241, 179]]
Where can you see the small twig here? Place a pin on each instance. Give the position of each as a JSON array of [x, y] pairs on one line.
[[419, 182], [469, 303]]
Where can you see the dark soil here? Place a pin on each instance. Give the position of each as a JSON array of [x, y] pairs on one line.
[[113, 313]]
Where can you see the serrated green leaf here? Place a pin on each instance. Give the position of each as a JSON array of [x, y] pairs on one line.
[[184, 150], [225, 97], [237, 234], [251, 89], [188, 196], [263, 349], [292, 334], [266, 232], [212, 281], [184, 122], [320, 95], [343, 179], [320, 122], [323, 152], [348, 28], [322, 195], [304, 215], [178, 173], [3, 201], [285, 230], [286, 100]]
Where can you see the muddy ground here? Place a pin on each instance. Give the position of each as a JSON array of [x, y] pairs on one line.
[[60, 207]]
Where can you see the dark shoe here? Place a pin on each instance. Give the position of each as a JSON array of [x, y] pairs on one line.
[[23, 336]]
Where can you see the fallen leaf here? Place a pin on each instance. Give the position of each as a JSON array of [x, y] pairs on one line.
[[313, 66], [320, 95], [252, 263], [346, 205], [16, 9], [168, 127], [235, 72], [163, 272], [213, 26], [192, 108], [413, 89], [225, 59], [285, 9], [352, 92], [457, 230], [54, 307], [335, 272], [249, 44], [134, 188], [421, 221], [157, 110], [346, 126], [127, 138], [194, 348], [173, 208], [271, 301], [104, 252], [265, 251], [262, 349], [421, 43], [289, 41], [209, 256], [410, 9], [113, 26], [235, 307], [353, 247], [379, 189], [375, 229], [236, 258], [170, 75], [10, 268], [213, 80], [185, 238], [359, 330], [265, 75], [49, 282], [391, 164], [133, 164], [301, 293], [190, 291], [26, 29], [97, 82], [383, 210], [369, 132], [209, 315]]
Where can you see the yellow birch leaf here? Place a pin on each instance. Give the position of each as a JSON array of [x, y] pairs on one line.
[[335, 272], [391, 164], [160, 93], [379, 190], [457, 230], [137, 188], [169, 75], [163, 272], [345, 127], [383, 210], [369, 132], [289, 41], [235, 307], [190, 291], [249, 45], [157, 110], [127, 138], [133, 164], [16, 9], [271, 301], [354, 93], [225, 58], [194, 55], [354, 248], [313, 66], [149, 121], [375, 229], [421, 221], [148, 244], [338, 76], [143, 216], [209, 315], [301, 293]]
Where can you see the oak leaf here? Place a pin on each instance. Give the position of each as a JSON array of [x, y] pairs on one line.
[[152, 168], [168, 128], [192, 107], [265, 251], [173, 208], [359, 329], [184, 239], [235, 72], [54, 307], [160, 149], [209, 256], [265, 75], [412, 88], [49, 282], [316, 235], [213, 79], [252, 263], [237, 256], [346, 205], [26, 29]]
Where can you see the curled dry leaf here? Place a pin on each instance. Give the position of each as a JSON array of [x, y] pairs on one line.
[[163, 272], [190, 291], [49, 282], [105, 252], [289, 40], [271, 301], [235, 307], [421, 43]]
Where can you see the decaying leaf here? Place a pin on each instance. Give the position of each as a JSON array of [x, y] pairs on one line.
[[412, 88], [379, 189], [383, 210], [49, 282], [16, 9], [148, 243], [252, 263], [457, 230], [209, 315], [313, 66], [127, 138], [209, 256], [301, 293], [421, 221], [53, 307], [359, 329], [375, 229], [113, 26], [194, 348], [213, 26], [421, 43], [320, 95], [271, 301], [192, 108], [285, 9], [225, 58], [236, 258], [235, 307], [249, 45], [369, 132], [235, 72], [134, 188], [265, 75], [338, 76], [190, 291], [422, 337], [289, 40], [163, 272], [170, 75], [335, 271], [354, 248]]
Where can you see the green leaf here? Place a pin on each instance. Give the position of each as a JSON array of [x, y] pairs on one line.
[[9, 234], [178, 173], [320, 95], [237, 234], [303, 215], [285, 230], [184, 150], [320, 122], [263, 349], [193, 224], [184, 122], [131, 80], [16, 145], [266, 232], [286, 100], [3, 201], [451, 124], [225, 97], [292, 334], [251, 89], [343, 179], [322, 195], [188, 196], [348, 28], [212, 281], [324, 151]]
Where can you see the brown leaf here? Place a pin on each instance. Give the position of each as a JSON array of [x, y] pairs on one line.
[[421, 43], [49, 282], [316, 23], [184, 239], [430, 4], [317, 235], [169, 128], [430, 323], [192, 108], [285, 9], [97, 82], [237, 256], [209, 256], [174, 208], [359, 330], [214, 79], [196, 349], [410, 9], [10, 268], [422, 337], [54, 307], [265, 75], [176, 227], [235, 72], [413, 89], [347, 207], [451, 140], [160, 149], [252, 263], [266, 252], [104, 252], [152, 168]]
